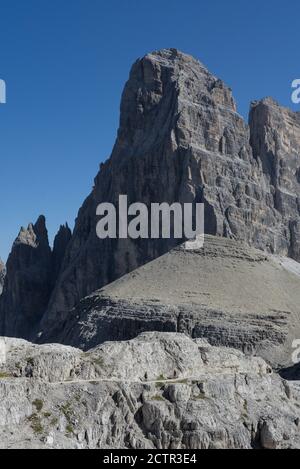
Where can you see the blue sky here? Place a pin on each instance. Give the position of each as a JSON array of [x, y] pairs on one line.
[[65, 63]]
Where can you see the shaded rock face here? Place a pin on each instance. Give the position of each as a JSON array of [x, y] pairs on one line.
[[61, 242], [158, 391], [31, 272], [2, 275], [181, 139]]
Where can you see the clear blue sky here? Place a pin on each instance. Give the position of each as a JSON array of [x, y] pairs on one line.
[[65, 63]]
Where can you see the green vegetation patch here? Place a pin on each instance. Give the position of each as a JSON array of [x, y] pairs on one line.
[[38, 404], [5, 375], [36, 424]]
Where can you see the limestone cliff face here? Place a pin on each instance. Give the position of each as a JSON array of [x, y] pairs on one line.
[[275, 139], [181, 139], [30, 276]]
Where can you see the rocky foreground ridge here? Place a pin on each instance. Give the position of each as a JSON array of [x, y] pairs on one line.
[[160, 390], [180, 139]]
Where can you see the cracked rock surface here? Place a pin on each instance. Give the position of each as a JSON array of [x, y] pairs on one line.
[[160, 390]]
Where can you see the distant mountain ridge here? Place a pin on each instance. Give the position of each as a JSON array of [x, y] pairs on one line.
[[31, 273]]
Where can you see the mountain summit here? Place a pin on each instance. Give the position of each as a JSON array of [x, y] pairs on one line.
[[181, 139]]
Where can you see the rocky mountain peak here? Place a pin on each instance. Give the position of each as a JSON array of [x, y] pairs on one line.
[[61, 242], [34, 235], [62, 237], [180, 139], [31, 272], [165, 89], [41, 230]]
